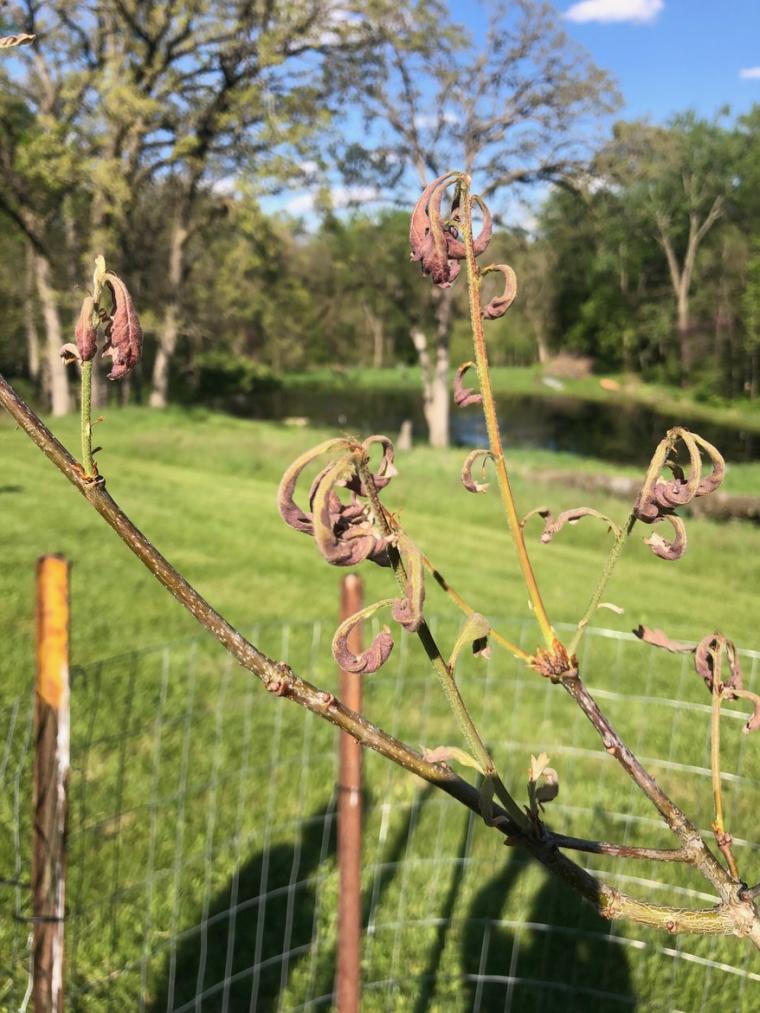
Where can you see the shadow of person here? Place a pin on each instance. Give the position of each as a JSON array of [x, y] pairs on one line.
[[257, 929], [556, 958]]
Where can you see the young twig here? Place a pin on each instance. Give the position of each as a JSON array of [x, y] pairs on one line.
[[722, 838], [492, 421], [279, 679]]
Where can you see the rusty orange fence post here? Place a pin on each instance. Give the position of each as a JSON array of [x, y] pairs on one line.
[[51, 771], [348, 984]]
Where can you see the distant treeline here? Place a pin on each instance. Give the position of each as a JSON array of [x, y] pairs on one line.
[[151, 133]]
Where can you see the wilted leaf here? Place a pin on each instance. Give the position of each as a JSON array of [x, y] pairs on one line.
[[669, 550], [85, 332], [408, 610], [376, 654], [467, 480], [475, 632], [124, 335], [464, 396], [442, 754], [499, 305]]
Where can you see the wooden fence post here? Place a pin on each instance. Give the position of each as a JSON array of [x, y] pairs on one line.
[[350, 821], [51, 771]]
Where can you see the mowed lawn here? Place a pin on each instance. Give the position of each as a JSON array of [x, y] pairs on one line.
[[185, 772]]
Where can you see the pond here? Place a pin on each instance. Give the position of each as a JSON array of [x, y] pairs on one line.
[[623, 432]]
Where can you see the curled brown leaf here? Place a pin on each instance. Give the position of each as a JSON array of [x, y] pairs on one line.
[[434, 241], [124, 334], [376, 654], [407, 611], [85, 332], [467, 480], [464, 396], [499, 305], [668, 549]]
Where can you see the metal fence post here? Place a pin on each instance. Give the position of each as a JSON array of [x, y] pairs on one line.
[[348, 986], [51, 770]]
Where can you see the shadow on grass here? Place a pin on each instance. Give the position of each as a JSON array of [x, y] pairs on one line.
[[258, 928], [559, 959]]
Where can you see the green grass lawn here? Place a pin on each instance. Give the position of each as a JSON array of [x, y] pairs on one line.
[[191, 788]]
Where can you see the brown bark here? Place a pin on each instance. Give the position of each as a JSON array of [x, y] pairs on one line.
[[167, 340]]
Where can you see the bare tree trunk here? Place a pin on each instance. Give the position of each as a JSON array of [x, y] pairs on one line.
[[541, 345], [167, 341], [684, 329], [435, 373], [58, 383], [30, 318], [377, 333]]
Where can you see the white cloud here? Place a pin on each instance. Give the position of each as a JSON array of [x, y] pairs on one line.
[[614, 10], [750, 72]]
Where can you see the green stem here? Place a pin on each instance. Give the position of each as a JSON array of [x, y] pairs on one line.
[[88, 462], [468, 610], [492, 423], [442, 670], [596, 597]]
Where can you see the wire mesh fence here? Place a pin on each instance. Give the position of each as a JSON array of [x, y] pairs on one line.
[[201, 844]]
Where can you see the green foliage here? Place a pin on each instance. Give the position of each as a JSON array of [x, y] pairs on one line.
[[228, 379]]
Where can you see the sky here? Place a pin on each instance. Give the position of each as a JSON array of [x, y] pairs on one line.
[[667, 55]]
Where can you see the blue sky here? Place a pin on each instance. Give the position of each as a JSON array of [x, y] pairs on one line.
[[667, 55]]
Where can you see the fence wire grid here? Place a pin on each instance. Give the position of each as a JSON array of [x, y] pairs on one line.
[[202, 848]]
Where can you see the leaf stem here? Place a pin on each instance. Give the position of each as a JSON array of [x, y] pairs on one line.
[[596, 597], [492, 422], [445, 675], [722, 839], [88, 461], [468, 610], [735, 916]]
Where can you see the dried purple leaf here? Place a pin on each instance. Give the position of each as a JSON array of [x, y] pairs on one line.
[[85, 332], [434, 242], [464, 396], [659, 496], [572, 516], [467, 480], [499, 305], [707, 651], [341, 540], [663, 548], [386, 469], [753, 722], [442, 754], [659, 639], [289, 510], [715, 478], [123, 332], [407, 611], [376, 654], [456, 248]]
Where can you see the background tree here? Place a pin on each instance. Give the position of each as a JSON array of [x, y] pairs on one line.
[[514, 111], [680, 178]]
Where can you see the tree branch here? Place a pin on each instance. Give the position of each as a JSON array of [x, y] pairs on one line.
[[735, 916]]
